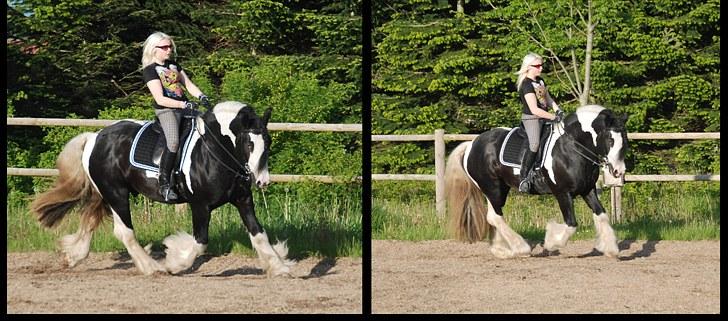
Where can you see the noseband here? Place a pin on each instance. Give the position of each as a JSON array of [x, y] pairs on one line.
[[593, 157], [242, 173]]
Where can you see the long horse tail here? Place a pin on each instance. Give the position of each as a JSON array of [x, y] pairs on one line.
[[72, 187], [465, 200]]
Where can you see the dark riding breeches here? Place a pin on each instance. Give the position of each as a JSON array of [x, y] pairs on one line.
[[170, 119]]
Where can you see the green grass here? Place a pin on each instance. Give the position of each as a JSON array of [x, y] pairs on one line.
[[651, 211], [328, 229]]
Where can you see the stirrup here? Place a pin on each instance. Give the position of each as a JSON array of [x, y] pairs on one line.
[[167, 193], [525, 184]]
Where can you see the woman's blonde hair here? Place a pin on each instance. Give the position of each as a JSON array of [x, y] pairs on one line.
[[151, 43], [527, 60]]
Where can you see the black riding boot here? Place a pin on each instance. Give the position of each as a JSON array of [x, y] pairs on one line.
[[165, 170], [526, 165]]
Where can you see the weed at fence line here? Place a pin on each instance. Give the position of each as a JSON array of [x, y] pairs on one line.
[[331, 228], [651, 210]]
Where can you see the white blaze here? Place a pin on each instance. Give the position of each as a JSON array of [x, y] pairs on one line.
[[613, 155], [261, 174]]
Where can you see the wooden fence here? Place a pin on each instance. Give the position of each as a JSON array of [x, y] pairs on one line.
[[439, 138], [18, 121]]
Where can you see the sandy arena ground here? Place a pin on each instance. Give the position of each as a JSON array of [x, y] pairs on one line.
[[110, 283], [407, 277], [455, 277]]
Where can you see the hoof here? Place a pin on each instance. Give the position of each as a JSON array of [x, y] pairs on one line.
[[284, 272], [609, 249], [501, 252]]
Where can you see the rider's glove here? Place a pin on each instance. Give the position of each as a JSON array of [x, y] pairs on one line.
[[205, 101], [190, 105]]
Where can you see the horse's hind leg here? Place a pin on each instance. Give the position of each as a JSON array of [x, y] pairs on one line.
[[506, 242], [606, 240], [76, 246], [273, 258], [124, 231]]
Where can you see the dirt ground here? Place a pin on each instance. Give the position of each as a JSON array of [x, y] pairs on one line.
[[455, 277], [110, 283], [407, 277]]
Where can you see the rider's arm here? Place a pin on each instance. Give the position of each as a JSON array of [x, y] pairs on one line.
[[155, 87], [191, 87], [552, 102], [533, 107]]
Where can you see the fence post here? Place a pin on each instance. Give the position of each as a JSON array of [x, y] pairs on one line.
[[617, 203], [440, 172], [616, 194]]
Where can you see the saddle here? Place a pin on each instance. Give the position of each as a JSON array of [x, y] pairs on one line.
[[514, 147], [146, 148]]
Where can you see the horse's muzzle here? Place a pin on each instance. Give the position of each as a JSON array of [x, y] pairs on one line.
[[262, 184], [262, 179], [617, 173]]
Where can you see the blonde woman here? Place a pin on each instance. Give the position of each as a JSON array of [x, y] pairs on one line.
[[166, 80], [535, 100]]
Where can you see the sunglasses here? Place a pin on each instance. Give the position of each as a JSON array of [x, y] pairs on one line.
[[167, 47], [537, 66]]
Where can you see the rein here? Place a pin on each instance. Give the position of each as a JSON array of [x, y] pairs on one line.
[[243, 173], [594, 158]]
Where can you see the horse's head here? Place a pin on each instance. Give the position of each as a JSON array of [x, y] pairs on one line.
[[249, 134], [608, 134]]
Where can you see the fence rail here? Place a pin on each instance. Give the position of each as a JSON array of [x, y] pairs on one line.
[[616, 198], [439, 138], [310, 127], [22, 121]]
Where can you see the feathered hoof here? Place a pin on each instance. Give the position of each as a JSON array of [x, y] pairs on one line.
[[150, 266], [557, 235], [283, 272], [70, 260], [608, 249], [523, 250], [74, 249], [501, 252], [182, 249]]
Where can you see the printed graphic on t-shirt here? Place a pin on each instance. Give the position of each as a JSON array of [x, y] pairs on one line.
[[540, 90], [171, 79]]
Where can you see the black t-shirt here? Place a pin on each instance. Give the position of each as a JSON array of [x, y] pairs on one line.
[[170, 74], [537, 87]]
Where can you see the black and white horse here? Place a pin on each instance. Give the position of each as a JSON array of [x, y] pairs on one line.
[[581, 144], [227, 151]]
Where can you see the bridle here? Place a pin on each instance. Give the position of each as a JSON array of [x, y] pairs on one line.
[[586, 153], [243, 171]]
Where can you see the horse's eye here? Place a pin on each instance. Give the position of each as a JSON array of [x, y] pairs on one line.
[[610, 141], [250, 146]]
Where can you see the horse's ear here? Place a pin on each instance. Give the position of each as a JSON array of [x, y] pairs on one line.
[[623, 118], [266, 115]]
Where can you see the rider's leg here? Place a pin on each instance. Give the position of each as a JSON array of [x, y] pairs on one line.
[[533, 131], [169, 120]]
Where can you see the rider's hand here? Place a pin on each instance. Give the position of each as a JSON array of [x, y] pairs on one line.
[[190, 105], [559, 116], [205, 101]]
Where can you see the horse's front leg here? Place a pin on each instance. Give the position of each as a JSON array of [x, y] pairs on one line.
[[182, 248], [606, 240], [558, 234], [273, 258]]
